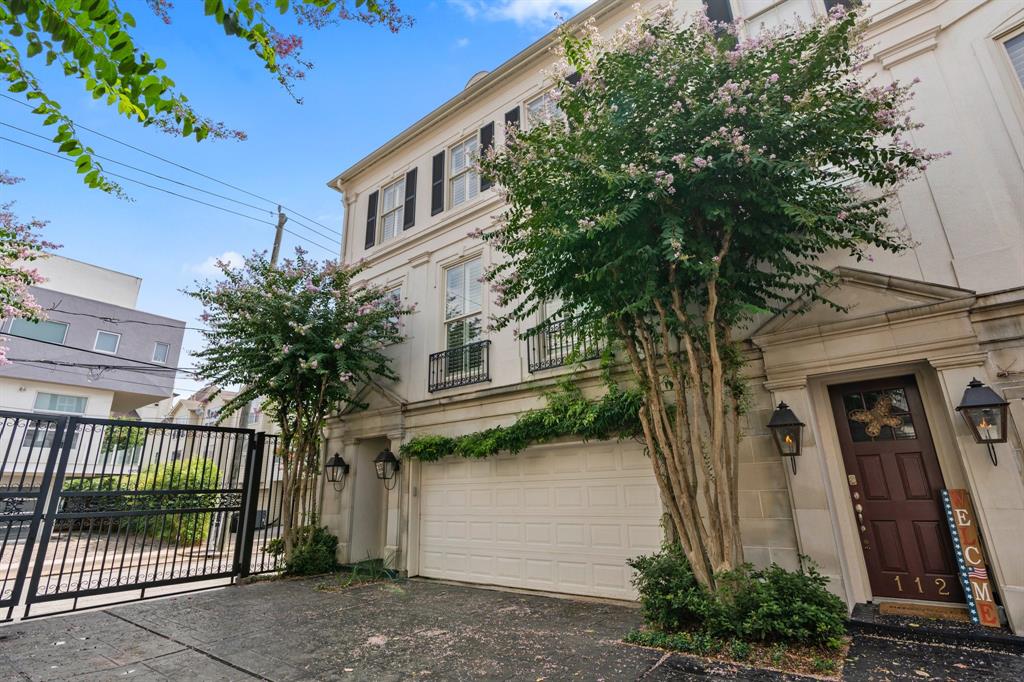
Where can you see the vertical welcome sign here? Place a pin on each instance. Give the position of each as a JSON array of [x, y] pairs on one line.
[[970, 559]]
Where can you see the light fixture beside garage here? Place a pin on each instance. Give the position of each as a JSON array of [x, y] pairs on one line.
[[337, 471], [786, 431], [387, 466], [985, 414]]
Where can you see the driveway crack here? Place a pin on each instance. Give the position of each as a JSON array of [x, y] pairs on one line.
[[190, 647]]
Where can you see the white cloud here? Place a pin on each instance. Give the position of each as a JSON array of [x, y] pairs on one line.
[[521, 11], [462, 42], [208, 268]]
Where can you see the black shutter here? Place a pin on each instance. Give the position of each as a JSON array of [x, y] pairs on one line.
[[486, 142], [512, 118], [410, 199], [718, 10], [437, 184], [573, 78], [371, 220]]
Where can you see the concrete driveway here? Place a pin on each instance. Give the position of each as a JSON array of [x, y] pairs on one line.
[[291, 630]]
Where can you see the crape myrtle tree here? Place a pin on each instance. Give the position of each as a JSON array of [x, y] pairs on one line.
[[304, 338], [95, 43], [696, 182], [20, 245]]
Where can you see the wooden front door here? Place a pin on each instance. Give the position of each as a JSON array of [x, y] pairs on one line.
[[895, 489]]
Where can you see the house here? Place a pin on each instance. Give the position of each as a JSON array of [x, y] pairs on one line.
[[95, 355], [564, 517]]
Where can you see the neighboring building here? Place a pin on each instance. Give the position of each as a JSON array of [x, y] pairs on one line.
[[94, 355], [203, 408], [564, 517]]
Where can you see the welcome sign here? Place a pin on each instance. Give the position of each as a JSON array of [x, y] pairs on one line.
[[970, 559]]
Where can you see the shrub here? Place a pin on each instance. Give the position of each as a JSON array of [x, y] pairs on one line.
[[670, 596], [188, 528], [770, 605], [315, 551]]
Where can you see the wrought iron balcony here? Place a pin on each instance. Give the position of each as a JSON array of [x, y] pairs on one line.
[[459, 366], [556, 342]]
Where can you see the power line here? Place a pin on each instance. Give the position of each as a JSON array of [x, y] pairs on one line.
[[96, 352], [177, 182], [77, 374], [117, 320], [176, 194], [186, 168]]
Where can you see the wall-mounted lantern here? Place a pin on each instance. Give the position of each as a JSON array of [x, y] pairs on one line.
[[337, 472], [985, 414], [387, 467], [786, 431]]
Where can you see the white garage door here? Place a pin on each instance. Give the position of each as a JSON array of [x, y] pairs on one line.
[[558, 518]]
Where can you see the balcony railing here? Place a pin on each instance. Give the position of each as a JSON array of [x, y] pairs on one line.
[[459, 366], [556, 342]]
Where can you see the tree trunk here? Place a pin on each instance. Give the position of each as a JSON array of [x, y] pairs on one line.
[[690, 422]]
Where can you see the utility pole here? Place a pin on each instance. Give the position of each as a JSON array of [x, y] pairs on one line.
[[281, 220]]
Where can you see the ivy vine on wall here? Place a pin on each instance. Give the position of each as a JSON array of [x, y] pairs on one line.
[[567, 413]]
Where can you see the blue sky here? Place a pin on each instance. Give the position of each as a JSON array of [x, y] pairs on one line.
[[367, 85]]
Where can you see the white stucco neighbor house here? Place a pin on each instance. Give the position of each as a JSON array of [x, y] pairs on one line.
[[565, 517]]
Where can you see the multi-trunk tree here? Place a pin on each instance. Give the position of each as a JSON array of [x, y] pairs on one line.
[[304, 338], [696, 182]]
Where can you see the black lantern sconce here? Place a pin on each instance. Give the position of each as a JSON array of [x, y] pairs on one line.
[[786, 431], [985, 414], [337, 472], [387, 466]]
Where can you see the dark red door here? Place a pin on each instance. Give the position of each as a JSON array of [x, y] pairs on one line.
[[894, 483]]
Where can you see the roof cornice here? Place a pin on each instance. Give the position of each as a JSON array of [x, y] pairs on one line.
[[480, 88]]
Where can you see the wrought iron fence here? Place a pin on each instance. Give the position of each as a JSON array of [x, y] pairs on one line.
[[137, 505], [557, 342], [459, 366], [264, 515], [29, 445]]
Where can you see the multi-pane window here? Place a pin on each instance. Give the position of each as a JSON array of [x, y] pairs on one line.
[[1015, 50], [542, 109], [464, 181], [392, 210], [41, 434], [161, 351], [394, 294], [463, 303], [47, 330], [107, 342]]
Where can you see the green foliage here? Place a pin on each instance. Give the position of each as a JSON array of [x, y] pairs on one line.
[[94, 42], [184, 528], [315, 551], [567, 413], [696, 642], [767, 605], [123, 436]]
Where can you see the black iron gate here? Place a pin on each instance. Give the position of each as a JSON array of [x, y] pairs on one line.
[[102, 510]]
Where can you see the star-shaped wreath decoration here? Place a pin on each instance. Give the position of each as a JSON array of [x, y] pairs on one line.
[[877, 417]]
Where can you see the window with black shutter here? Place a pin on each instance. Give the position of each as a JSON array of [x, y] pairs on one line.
[[486, 142], [437, 183], [371, 220], [410, 199], [718, 10], [512, 118]]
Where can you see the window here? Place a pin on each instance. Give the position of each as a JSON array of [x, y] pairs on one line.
[[463, 294], [47, 330], [41, 434], [161, 351], [392, 210], [542, 109], [55, 402], [106, 342], [1015, 50], [394, 294], [721, 10], [463, 180]]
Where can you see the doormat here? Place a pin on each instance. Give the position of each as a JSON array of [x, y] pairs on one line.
[[934, 611]]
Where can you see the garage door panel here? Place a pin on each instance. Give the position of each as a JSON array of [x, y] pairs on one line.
[[550, 518]]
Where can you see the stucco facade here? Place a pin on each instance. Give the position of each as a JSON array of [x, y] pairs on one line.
[[947, 310]]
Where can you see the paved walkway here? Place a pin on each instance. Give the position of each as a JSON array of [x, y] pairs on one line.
[[290, 630]]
